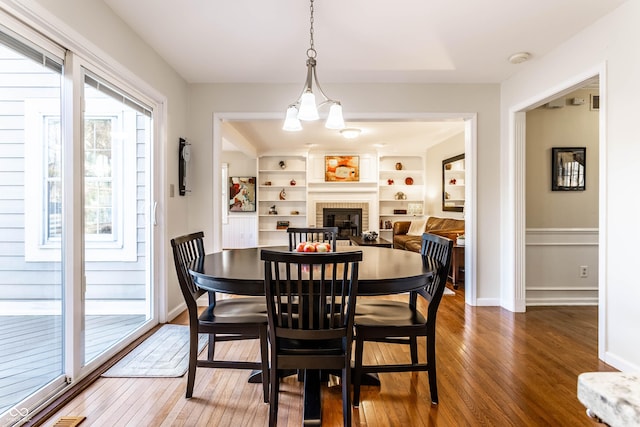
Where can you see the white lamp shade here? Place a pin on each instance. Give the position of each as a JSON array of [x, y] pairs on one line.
[[308, 109], [291, 122], [335, 119]]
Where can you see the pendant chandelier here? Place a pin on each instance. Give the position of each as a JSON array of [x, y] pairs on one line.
[[305, 107]]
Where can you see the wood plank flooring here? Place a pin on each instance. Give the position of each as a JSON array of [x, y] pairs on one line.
[[495, 368]]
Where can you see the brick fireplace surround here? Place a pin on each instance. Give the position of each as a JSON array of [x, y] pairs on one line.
[[342, 205]]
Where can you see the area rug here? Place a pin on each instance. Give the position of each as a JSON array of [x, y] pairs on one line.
[[448, 291], [165, 354]]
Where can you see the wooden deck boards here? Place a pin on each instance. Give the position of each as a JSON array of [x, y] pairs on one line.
[[31, 349]]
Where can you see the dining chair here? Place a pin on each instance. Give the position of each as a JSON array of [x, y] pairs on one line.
[[318, 334], [398, 322], [313, 234], [225, 320]]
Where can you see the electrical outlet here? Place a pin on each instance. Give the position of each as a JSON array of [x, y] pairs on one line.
[[584, 271]]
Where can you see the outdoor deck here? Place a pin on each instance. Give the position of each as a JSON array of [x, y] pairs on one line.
[[31, 349]]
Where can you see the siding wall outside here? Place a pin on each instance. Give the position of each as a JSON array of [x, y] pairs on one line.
[[21, 280]]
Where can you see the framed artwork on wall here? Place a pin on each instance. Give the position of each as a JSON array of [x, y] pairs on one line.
[[341, 168], [242, 194], [568, 168]]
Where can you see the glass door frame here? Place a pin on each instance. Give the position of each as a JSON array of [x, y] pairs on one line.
[[73, 279]]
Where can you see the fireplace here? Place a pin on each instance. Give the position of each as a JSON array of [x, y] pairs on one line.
[[348, 221]]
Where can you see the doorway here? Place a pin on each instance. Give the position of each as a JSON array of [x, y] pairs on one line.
[[220, 121], [562, 220]]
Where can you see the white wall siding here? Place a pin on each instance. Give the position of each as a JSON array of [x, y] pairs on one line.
[[21, 280]]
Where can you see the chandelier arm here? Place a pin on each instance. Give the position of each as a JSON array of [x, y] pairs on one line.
[[326, 98]]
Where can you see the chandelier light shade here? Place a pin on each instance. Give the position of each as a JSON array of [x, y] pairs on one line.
[[291, 121], [305, 108]]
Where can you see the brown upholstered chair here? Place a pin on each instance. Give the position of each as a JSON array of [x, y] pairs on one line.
[[399, 322], [317, 234], [225, 320], [317, 334]]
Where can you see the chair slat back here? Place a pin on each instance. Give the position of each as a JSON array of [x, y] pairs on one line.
[[436, 249], [186, 249], [314, 234], [311, 296]]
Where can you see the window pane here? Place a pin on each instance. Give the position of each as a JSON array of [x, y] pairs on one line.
[[115, 140], [31, 315]]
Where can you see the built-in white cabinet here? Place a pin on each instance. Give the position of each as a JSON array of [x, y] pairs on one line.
[[400, 190], [282, 197], [453, 173]]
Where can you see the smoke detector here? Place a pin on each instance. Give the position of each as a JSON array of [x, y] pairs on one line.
[[519, 57]]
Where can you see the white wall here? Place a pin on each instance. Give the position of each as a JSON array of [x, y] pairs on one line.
[[610, 46], [435, 155], [359, 100]]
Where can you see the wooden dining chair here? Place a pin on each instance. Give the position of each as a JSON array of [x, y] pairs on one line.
[[225, 320], [313, 234], [318, 334], [398, 322]]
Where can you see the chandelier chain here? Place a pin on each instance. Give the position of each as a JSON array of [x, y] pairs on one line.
[[311, 52]]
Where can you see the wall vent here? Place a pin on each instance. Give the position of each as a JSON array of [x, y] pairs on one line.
[[556, 103]]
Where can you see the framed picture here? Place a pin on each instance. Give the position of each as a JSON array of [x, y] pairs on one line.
[[341, 168], [568, 168], [594, 103], [242, 194]]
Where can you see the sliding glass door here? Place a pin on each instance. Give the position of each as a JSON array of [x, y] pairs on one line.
[[31, 223], [76, 233]]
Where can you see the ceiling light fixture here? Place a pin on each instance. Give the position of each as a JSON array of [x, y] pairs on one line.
[[520, 57], [350, 133], [305, 107]]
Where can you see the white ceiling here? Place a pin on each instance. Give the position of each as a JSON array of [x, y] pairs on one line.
[[372, 41], [392, 136]]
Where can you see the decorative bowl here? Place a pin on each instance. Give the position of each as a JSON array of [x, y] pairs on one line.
[[369, 235]]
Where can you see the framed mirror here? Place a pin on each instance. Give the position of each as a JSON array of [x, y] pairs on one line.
[[568, 168], [453, 184]]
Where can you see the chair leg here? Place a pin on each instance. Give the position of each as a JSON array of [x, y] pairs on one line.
[[357, 373], [413, 346], [431, 361], [264, 358], [193, 358], [275, 390], [211, 348], [346, 392]]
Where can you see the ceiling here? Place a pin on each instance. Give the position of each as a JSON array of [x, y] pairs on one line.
[[364, 41], [392, 136]]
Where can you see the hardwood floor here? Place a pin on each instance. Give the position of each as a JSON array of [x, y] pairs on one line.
[[495, 368]]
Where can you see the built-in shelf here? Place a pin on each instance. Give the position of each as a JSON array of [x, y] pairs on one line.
[[290, 178], [400, 188]]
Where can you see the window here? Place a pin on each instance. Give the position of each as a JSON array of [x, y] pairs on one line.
[[108, 163]]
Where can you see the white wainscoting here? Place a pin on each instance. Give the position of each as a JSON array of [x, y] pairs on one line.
[[554, 258], [240, 232]]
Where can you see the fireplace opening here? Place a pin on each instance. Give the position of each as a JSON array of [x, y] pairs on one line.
[[348, 221]]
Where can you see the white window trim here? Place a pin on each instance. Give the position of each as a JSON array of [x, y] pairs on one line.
[[124, 245]]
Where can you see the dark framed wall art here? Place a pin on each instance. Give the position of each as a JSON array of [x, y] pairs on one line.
[[568, 168]]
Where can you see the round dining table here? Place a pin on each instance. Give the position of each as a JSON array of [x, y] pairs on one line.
[[382, 271]]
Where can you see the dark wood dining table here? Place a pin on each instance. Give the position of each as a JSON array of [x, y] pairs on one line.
[[382, 271]]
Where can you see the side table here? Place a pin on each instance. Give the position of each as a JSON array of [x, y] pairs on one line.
[[457, 262]]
